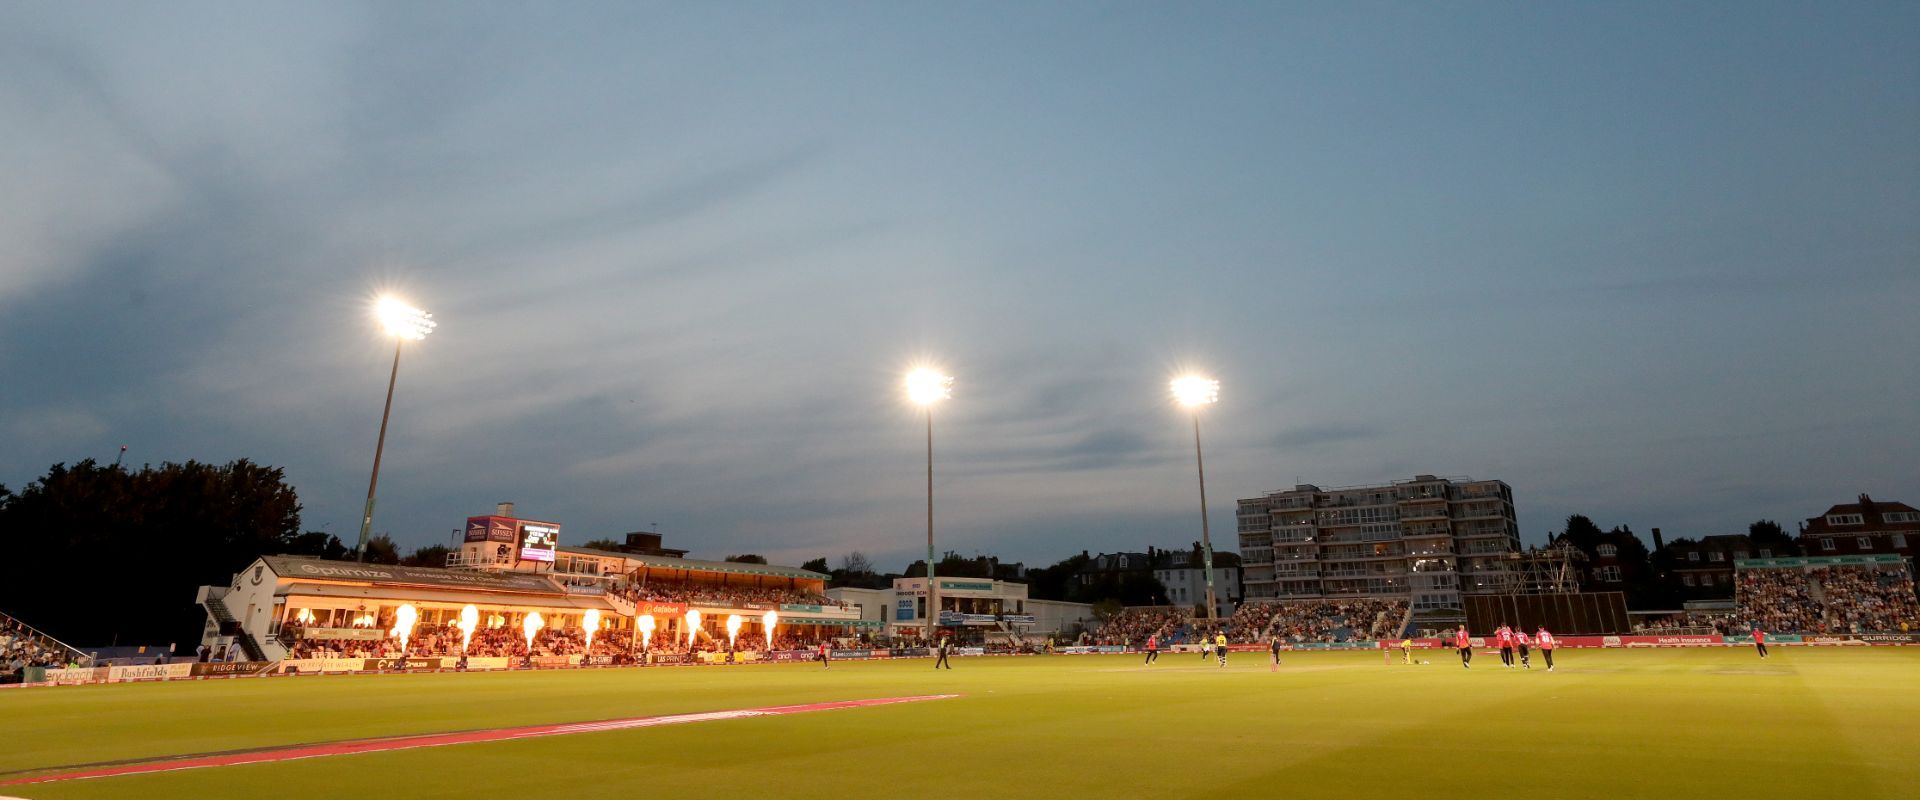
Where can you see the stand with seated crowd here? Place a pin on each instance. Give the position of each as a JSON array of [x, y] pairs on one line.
[[1845, 599]]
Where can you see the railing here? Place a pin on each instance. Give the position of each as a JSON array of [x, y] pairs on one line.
[[36, 633]]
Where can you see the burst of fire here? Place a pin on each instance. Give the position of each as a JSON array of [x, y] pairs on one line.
[[767, 623], [304, 617], [646, 623], [469, 619], [693, 626], [531, 625], [733, 629], [364, 621], [592, 623], [403, 619]]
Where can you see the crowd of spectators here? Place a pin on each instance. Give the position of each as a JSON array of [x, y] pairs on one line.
[[1776, 599], [22, 647], [1319, 620], [1845, 599], [715, 595], [1132, 626], [1861, 600], [431, 641], [1720, 622]]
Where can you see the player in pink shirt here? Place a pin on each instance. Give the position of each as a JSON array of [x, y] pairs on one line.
[[1504, 636], [1465, 645], [1520, 641], [1545, 641]]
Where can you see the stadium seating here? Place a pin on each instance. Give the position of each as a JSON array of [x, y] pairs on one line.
[[1841, 599]]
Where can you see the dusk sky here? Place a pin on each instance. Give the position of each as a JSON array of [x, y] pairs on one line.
[[1654, 264]]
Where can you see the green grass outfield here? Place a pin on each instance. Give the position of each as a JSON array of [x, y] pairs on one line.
[[1696, 723]]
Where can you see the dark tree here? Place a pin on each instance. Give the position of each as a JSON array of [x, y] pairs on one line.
[[433, 555], [1768, 534], [99, 554], [382, 550], [856, 563], [318, 544], [748, 558], [817, 565], [608, 545], [1053, 583]]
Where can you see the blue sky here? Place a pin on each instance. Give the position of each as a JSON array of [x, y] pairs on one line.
[[1657, 265]]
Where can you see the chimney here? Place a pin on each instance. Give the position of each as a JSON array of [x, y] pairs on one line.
[[1658, 543], [504, 509]]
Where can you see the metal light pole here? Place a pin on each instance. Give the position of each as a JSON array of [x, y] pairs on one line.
[[402, 322], [925, 387], [1194, 393]]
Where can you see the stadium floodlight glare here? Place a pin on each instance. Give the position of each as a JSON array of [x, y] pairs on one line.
[[402, 320], [926, 387], [1195, 392], [404, 323]]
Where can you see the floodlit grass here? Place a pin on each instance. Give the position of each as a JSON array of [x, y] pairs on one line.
[[1701, 723]]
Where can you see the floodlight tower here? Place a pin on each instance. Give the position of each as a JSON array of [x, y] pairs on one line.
[[1194, 393], [404, 323], [925, 388]]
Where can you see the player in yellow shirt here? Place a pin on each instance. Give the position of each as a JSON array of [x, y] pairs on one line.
[[1406, 651], [1220, 647]]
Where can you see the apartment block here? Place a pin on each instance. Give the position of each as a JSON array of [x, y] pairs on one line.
[[1427, 540]]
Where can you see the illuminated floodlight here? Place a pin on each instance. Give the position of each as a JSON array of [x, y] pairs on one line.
[[401, 320], [928, 386], [1193, 391]]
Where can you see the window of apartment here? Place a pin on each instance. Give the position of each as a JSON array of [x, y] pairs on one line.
[[1766, 552], [1687, 579], [1899, 540], [1901, 516], [1845, 519], [1694, 556], [1826, 543], [1740, 554], [1865, 542], [1607, 574], [1717, 556], [1607, 550]]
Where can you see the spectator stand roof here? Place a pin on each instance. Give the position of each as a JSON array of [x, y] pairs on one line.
[[301, 569], [664, 563]]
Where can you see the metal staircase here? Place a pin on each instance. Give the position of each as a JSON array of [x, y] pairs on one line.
[[248, 644]]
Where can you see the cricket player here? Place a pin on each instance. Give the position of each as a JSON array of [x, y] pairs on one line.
[[1504, 637], [1520, 641], [1406, 651], [1545, 641], [1760, 640], [1464, 643], [1273, 645], [1153, 648], [1220, 647]]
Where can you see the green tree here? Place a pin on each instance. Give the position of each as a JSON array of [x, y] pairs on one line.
[[817, 565]]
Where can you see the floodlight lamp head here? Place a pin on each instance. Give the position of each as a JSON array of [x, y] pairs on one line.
[[928, 386], [1193, 391], [403, 321]]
